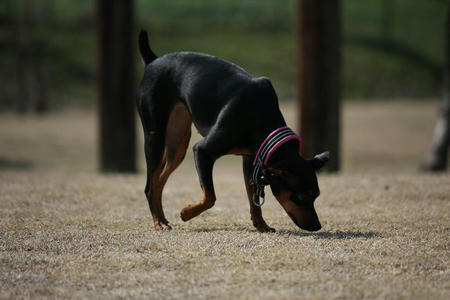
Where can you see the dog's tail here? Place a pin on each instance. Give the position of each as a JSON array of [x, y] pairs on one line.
[[146, 53]]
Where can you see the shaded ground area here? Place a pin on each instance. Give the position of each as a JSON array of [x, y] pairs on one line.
[[68, 231]]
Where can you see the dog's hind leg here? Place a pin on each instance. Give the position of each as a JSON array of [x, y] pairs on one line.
[[154, 123], [154, 156], [255, 211], [165, 149], [178, 134]]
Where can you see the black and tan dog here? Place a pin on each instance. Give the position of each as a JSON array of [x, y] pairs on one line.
[[236, 114]]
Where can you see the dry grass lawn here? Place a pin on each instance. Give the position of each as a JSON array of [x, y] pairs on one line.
[[67, 231]]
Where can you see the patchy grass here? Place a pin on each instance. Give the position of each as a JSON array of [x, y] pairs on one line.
[[66, 231]]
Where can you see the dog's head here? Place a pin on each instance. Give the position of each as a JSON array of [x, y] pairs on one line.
[[293, 182]]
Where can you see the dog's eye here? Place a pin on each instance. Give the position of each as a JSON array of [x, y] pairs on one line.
[[276, 172]]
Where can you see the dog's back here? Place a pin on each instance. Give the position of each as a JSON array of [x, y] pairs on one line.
[[205, 84]]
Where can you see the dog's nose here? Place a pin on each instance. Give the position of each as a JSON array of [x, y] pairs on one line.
[[317, 227]]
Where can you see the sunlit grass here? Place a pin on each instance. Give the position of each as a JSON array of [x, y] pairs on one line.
[[68, 231]]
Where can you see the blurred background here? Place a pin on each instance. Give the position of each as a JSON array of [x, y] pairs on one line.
[[396, 44], [392, 60]]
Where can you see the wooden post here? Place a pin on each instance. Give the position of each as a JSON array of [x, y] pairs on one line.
[[319, 74], [116, 104]]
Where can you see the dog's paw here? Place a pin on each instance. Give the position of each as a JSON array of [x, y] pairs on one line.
[[261, 226], [265, 228], [162, 226], [184, 214]]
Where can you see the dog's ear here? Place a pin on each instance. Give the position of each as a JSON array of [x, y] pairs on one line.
[[320, 160]]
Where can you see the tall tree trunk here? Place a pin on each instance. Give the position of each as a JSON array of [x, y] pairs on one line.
[[319, 76], [116, 105], [437, 159]]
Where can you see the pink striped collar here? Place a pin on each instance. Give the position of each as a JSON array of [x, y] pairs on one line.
[[278, 144]]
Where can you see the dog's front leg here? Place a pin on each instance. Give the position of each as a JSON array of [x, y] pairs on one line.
[[255, 211], [204, 163]]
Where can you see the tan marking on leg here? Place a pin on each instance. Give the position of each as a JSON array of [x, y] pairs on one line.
[[194, 210], [159, 220], [178, 134]]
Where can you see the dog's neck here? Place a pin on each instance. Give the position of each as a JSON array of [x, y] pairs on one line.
[[276, 139], [287, 152]]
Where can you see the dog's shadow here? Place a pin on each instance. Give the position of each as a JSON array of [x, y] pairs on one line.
[[333, 234], [318, 235]]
